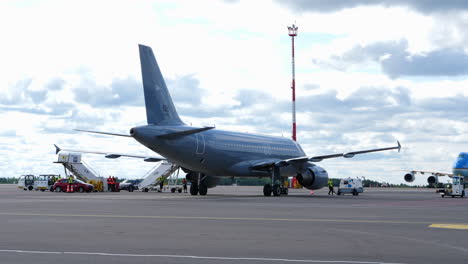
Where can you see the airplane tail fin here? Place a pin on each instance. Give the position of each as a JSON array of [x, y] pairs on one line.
[[160, 109]]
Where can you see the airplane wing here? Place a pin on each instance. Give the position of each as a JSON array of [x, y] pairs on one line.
[[435, 173], [265, 164], [112, 155]]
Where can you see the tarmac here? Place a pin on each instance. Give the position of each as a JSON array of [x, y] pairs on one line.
[[232, 225]]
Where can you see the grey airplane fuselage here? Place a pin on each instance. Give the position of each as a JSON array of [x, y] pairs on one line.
[[219, 153]]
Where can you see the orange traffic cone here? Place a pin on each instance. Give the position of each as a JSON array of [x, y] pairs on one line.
[[311, 193], [68, 188]]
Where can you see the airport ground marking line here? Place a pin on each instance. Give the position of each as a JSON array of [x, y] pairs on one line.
[[190, 256], [224, 218], [450, 226]]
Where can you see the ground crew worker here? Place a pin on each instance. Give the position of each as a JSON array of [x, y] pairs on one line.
[[70, 183], [161, 185], [184, 184], [330, 187], [113, 183], [109, 183]]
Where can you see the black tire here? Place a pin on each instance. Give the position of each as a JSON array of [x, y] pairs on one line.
[[179, 190], [443, 196], [130, 189], [453, 196], [58, 189], [145, 190], [81, 190], [267, 190], [172, 190], [193, 189], [276, 190], [42, 190], [338, 193], [355, 192], [30, 187], [202, 189]]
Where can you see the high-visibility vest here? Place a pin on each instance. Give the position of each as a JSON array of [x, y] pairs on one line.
[[70, 180], [330, 184]]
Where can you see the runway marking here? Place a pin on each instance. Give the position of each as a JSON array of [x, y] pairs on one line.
[[450, 226], [223, 218], [191, 257]]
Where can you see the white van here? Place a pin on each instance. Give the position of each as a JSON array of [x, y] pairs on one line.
[[350, 185], [46, 181]]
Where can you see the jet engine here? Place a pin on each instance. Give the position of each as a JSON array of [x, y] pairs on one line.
[[409, 177], [433, 180], [313, 177]]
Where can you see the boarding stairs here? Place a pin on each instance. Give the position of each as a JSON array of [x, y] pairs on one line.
[[73, 163], [158, 174]]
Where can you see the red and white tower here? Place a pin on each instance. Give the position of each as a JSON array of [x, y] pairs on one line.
[[292, 30]]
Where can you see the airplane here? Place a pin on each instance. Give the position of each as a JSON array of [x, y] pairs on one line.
[[460, 168], [207, 153]]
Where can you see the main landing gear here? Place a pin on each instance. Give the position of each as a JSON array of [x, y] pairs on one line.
[[276, 187], [198, 186]]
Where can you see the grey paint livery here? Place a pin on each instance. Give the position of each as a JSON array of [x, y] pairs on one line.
[[212, 152], [207, 153]]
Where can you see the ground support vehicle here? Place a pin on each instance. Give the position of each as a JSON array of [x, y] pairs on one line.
[[26, 182], [350, 185], [457, 188], [46, 181]]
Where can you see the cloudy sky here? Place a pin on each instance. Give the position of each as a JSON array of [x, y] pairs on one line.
[[369, 72]]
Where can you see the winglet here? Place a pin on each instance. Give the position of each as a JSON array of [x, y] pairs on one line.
[[57, 149], [399, 146]]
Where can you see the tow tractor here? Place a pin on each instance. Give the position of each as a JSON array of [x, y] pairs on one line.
[[457, 188]]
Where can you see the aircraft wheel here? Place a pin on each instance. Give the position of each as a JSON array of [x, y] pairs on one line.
[[203, 189], [193, 189], [276, 190], [267, 190]]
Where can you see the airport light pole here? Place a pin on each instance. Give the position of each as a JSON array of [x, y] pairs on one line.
[[292, 30]]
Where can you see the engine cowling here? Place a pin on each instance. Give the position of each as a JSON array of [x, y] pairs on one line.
[[433, 180], [409, 177], [313, 177]]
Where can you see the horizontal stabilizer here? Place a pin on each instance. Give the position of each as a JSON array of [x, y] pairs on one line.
[[103, 133], [184, 133]]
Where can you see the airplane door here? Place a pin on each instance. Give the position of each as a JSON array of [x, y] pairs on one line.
[[200, 144]]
